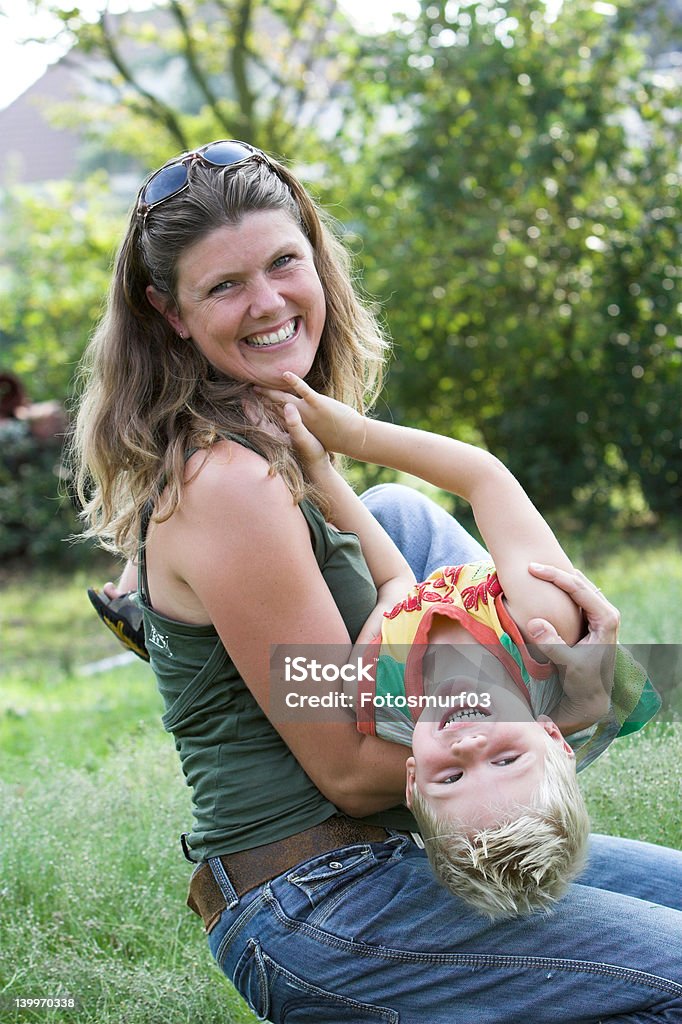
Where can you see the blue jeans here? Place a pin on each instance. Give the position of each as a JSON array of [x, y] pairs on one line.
[[365, 934], [427, 536]]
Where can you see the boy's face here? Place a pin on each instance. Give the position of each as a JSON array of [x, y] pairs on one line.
[[474, 770]]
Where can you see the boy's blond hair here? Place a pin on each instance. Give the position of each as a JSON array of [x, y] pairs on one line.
[[522, 865]]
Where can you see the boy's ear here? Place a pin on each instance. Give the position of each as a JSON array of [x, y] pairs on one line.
[[410, 783], [554, 733], [164, 304]]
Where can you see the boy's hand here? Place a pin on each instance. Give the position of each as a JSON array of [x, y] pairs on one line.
[[589, 665], [313, 454], [338, 427]]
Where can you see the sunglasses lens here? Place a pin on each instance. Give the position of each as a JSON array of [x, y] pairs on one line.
[[165, 183], [225, 153]]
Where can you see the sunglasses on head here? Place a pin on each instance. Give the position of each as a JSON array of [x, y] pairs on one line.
[[173, 178]]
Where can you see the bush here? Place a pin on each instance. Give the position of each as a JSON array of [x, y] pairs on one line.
[[36, 515]]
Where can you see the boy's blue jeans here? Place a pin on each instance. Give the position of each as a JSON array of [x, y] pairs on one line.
[[365, 934]]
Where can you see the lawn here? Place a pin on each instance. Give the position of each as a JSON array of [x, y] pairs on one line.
[[92, 802]]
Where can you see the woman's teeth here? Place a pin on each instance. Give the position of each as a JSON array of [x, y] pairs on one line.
[[275, 337]]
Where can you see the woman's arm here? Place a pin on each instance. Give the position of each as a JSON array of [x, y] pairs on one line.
[[237, 553], [588, 667], [512, 528]]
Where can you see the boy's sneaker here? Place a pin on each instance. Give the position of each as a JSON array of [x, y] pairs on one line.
[[123, 616]]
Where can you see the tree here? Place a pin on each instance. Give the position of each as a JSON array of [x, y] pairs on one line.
[[511, 183], [524, 220], [53, 279], [162, 81], [189, 71]]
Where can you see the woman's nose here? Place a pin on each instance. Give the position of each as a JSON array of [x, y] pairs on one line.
[[266, 299]]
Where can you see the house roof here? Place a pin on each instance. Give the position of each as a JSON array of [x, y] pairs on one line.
[[32, 149]]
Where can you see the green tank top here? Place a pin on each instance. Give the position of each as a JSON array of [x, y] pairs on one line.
[[247, 787]]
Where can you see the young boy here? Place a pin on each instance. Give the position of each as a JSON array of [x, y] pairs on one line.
[[491, 779]]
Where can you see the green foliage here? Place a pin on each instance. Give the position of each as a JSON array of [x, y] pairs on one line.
[[188, 71], [510, 183], [54, 275], [522, 225], [36, 517]]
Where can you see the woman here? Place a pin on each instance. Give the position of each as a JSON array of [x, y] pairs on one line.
[[314, 894]]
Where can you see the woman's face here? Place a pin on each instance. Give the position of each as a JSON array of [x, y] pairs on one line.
[[250, 297]]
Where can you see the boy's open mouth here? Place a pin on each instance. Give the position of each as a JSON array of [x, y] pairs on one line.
[[451, 719]]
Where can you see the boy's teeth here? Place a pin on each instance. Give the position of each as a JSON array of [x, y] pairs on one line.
[[275, 337], [465, 715]]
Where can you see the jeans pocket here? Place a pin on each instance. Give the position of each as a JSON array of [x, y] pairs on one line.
[[290, 999], [327, 876], [251, 979]]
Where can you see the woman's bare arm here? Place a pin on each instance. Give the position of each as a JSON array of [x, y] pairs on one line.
[[237, 554]]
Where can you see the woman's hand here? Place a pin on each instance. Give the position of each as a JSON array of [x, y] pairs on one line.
[[589, 664], [336, 426]]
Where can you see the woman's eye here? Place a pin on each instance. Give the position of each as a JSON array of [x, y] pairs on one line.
[[224, 286], [282, 261]]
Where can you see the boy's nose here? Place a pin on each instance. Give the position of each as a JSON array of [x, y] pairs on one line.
[[469, 739]]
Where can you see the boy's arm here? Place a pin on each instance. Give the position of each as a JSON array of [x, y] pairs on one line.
[[391, 573], [514, 531]]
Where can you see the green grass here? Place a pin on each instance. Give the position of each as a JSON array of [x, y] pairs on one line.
[[95, 882], [635, 787], [92, 802], [642, 578]]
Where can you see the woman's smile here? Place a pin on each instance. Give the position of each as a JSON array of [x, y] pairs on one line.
[[276, 336]]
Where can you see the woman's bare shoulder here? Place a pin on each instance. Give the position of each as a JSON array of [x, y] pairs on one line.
[[233, 515], [234, 476]]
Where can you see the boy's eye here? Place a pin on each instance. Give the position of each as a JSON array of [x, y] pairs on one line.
[[507, 760], [450, 779]]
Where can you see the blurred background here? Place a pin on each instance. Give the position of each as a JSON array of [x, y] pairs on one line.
[[508, 175]]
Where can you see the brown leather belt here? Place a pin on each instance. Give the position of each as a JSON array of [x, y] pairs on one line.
[[248, 869]]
